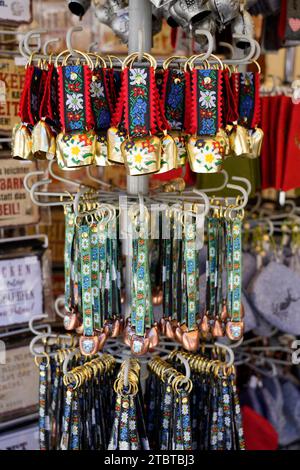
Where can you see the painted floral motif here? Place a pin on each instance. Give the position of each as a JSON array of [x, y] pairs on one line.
[[142, 157], [77, 149], [205, 156], [208, 108], [138, 101]]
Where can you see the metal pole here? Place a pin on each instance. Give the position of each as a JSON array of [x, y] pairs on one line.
[[140, 40]]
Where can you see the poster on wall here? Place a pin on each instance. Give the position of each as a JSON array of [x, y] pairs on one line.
[[21, 290], [11, 86], [15, 11], [19, 379], [16, 207]]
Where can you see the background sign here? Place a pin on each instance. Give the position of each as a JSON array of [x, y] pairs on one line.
[[11, 86], [15, 11], [16, 207], [21, 290], [19, 379]]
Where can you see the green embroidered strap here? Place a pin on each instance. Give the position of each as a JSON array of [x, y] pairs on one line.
[[102, 240], [229, 265], [86, 280], [133, 282], [212, 263], [237, 269], [95, 276], [77, 271], [190, 265], [69, 237], [142, 296]]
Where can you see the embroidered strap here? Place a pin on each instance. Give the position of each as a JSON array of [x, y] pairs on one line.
[[138, 110], [95, 276], [234, 268], [74, 98], [46, 110], [249, 103], [174, 98], [102, 267], [212, 265], [230, 114], [142, 310], [206, 98], [35, 95], [69, 237], [99, 92], [190, 266], [86, 280], [237, 269]]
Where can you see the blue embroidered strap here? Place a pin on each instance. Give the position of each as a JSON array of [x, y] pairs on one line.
[[237, 269], [100, 100], [86, 281], [138, 101], [248, 98], [207, 86], [174, 98]]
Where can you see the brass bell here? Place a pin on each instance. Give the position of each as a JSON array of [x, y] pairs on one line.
[[43, 141], [22, 142], [142, 155]]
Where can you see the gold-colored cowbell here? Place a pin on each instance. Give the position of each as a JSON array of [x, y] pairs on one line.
[[142, 155], [115, 138], [76, 150], [101, 157], [22, 142], [239, 140], [180, 142], [256, 139], [168, 160], [206, 154], [43, 141]]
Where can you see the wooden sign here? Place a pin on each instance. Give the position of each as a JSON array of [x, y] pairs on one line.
[[11, 86], [21, 290], [26, 438], [19, 379], [15, 11], [16, 207]]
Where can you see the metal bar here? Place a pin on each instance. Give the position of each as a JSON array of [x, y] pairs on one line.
[[140, 39]]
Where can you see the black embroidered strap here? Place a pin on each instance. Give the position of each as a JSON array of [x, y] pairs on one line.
[[34, 100], [74, 95], [138, 101], [174, 98], [248, 86], [207, 102], [100, 100]]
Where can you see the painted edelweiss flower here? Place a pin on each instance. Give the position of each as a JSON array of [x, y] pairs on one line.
[[76, 149], [74, 101], [86, 270], [138, 77], [247, 78], [97, 90], [208, 99]]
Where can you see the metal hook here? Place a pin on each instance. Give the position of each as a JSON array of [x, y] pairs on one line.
[[210, 41], [47, 44], [69, 35], [185, 362], [253, 48], [28, 36], [39, 317], [60, 178]]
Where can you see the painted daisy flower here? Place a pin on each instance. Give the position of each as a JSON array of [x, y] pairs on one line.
[[208, 99], [74, 101], [187, 436], [124, 417], [84, 243], [185, 409], [97, 90], [138, 77]]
